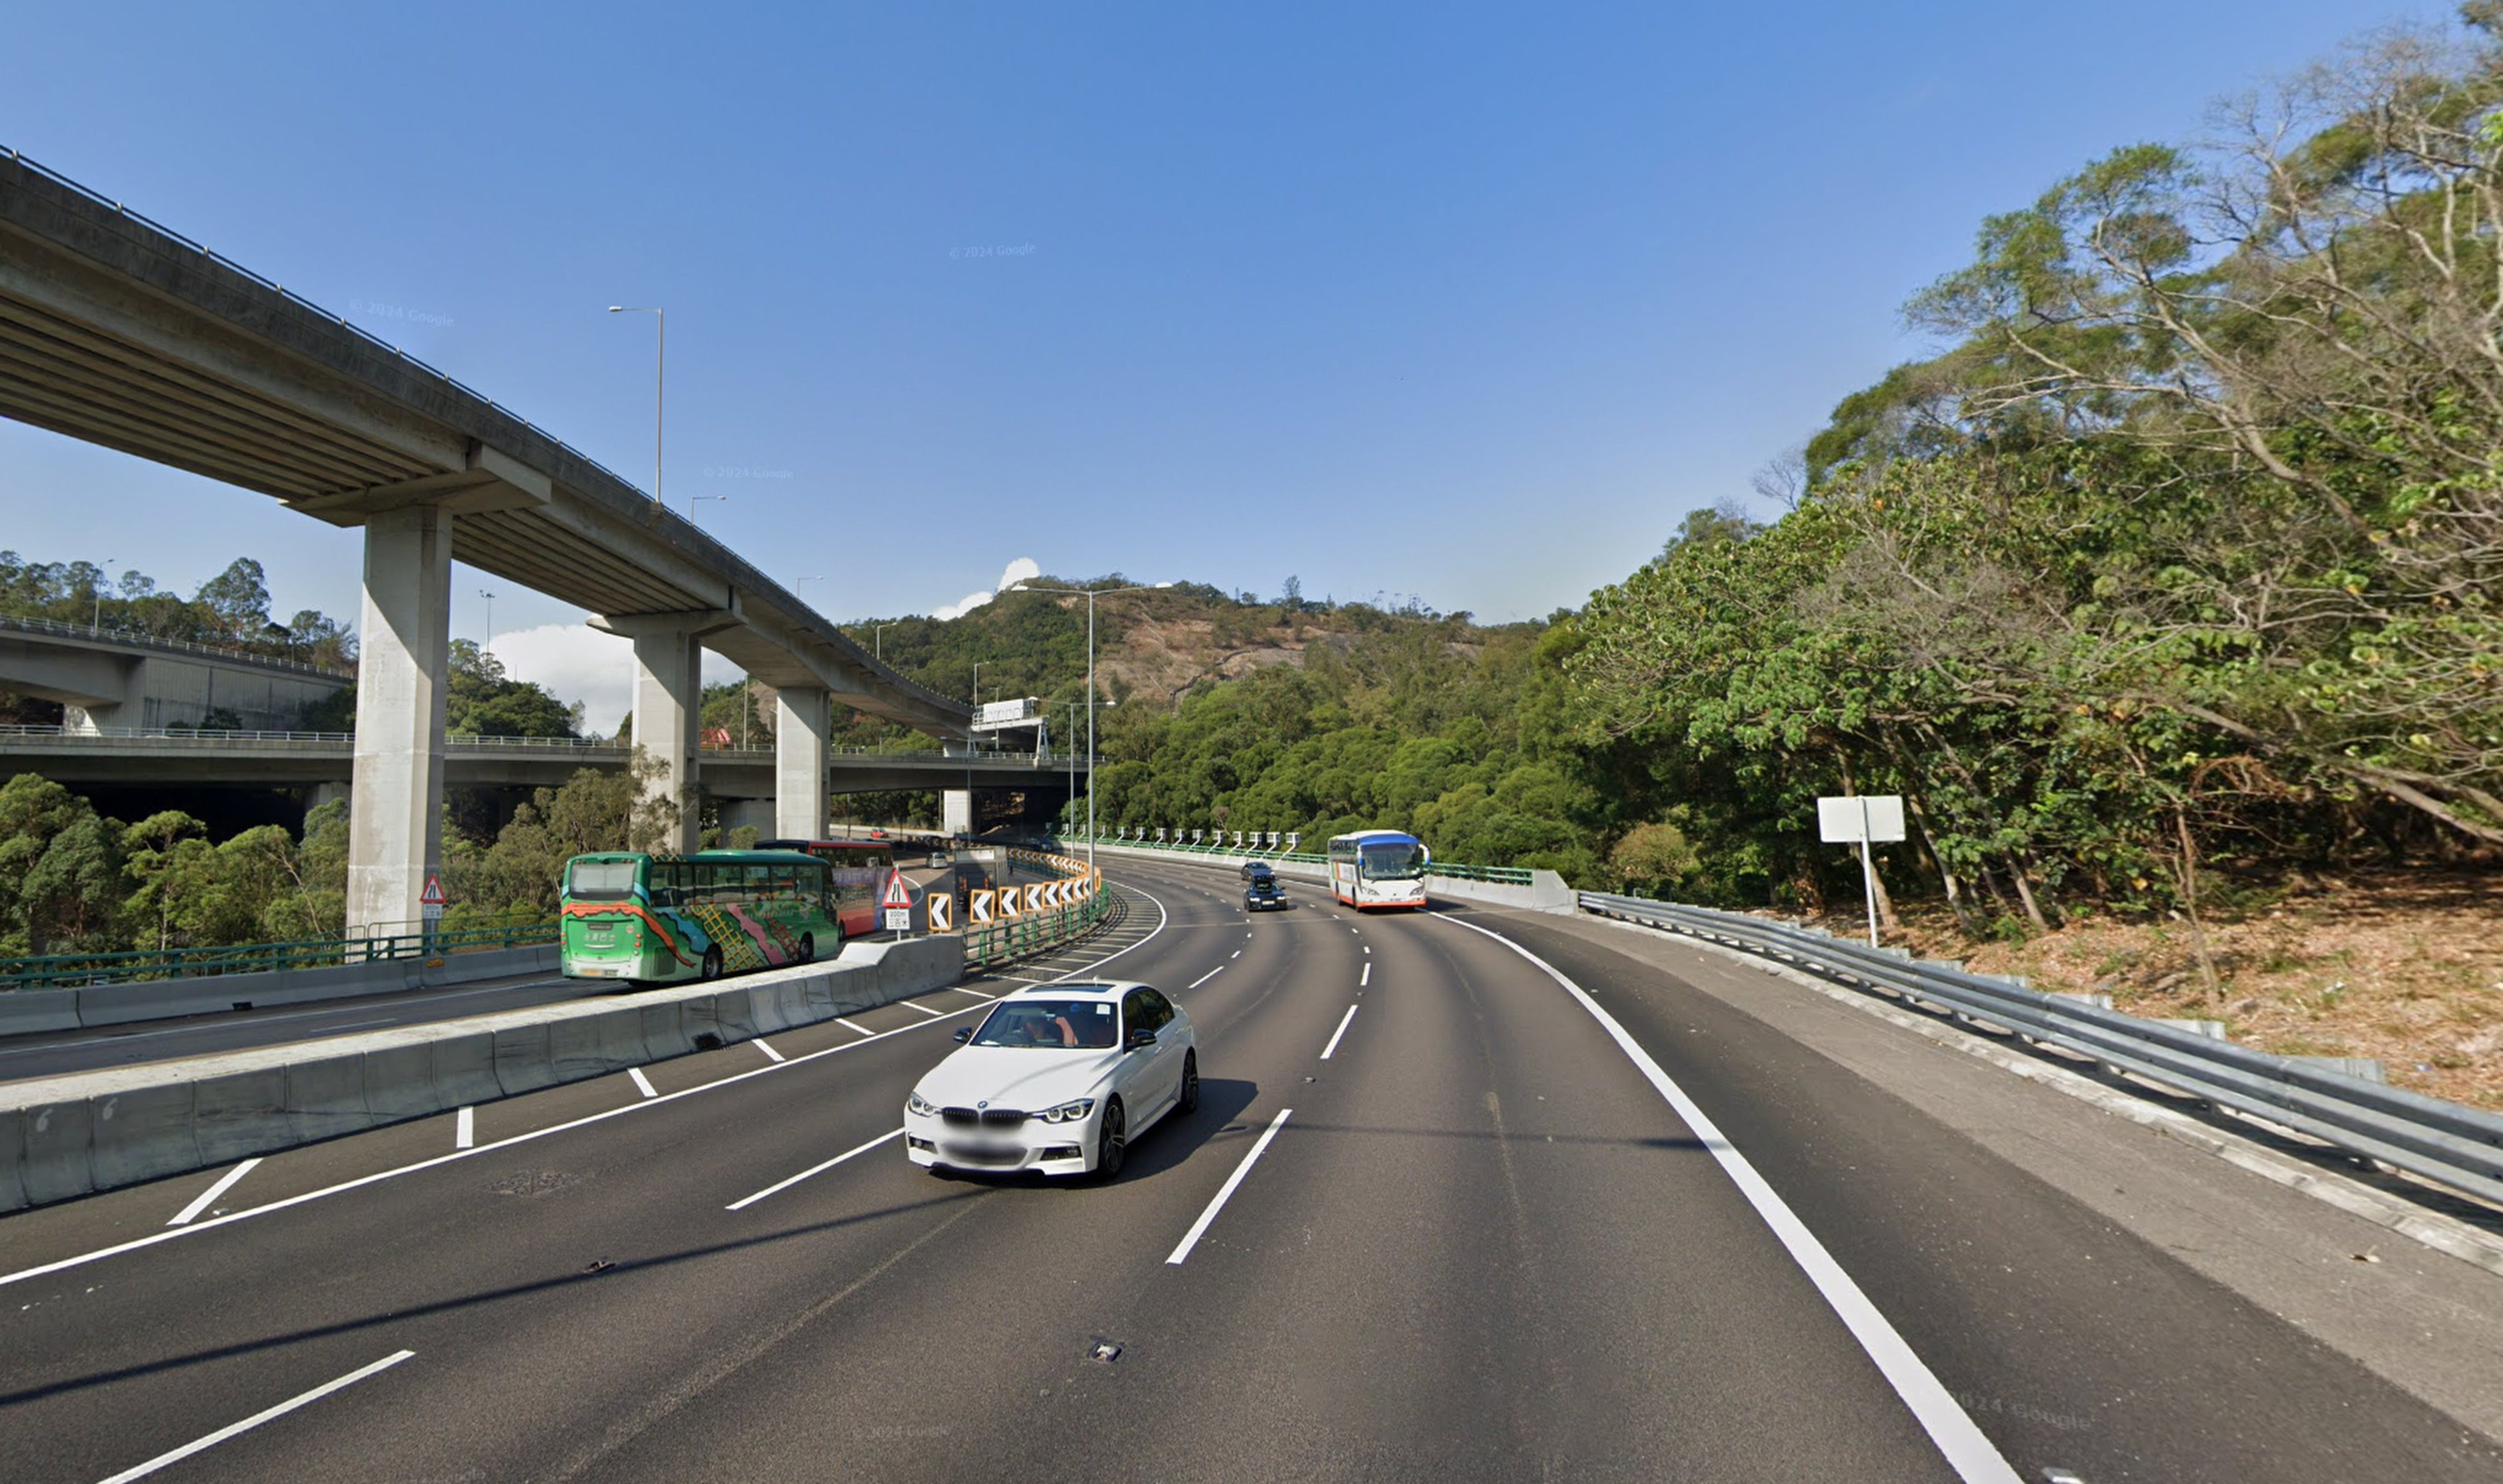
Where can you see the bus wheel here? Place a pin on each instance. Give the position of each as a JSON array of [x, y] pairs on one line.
[[808, 948], [711, 964]]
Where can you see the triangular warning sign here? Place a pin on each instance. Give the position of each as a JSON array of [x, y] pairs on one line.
[[433, 895], [896, 895]]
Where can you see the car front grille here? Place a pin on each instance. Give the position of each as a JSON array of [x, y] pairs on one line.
[[985, 1118]]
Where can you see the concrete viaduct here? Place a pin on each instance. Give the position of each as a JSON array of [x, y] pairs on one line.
[[115, 330]]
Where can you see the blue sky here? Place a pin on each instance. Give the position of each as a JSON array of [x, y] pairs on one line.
[[1468, 302]]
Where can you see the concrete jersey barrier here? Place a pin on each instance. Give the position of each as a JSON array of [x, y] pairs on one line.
[[64, 1137], [25, 1012]]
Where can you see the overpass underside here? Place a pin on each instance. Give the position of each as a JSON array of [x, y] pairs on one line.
[[116, 331]]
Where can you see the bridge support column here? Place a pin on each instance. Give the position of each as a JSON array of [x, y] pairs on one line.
[[669, 699], [396, 803], [801, 720]]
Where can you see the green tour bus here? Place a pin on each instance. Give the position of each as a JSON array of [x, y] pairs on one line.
[[654, 918]]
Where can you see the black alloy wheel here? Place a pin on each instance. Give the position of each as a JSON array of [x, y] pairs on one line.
[[1112, 1143], [711, 964], [1189, 1100]]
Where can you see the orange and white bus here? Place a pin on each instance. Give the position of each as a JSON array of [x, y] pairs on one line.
[[1377, 869]]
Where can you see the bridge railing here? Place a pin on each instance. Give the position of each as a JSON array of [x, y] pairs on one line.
[[2446, 1142], [227, 736], [142, 639], [396, 940]]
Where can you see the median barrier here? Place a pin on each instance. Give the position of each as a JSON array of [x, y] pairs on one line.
[[57, 1152], [67, 1136], [120, 1005], [142, 1132], [26, 1012]]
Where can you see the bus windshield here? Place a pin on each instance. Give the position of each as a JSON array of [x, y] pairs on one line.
[[600, 880], [1400, 860]]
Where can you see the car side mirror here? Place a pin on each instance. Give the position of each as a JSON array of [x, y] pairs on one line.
[[964, 1033], [1142, 1038]]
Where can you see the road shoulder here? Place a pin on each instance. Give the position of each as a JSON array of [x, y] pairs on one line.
[[2421, 1319]]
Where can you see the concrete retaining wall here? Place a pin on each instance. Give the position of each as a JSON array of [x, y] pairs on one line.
[[1547, 891], [69, 1136], [27, 1011]]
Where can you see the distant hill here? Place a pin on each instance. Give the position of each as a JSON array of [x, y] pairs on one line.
[[1155, 645]]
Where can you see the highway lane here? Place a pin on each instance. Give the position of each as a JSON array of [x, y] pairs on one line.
[[1479, 1244]]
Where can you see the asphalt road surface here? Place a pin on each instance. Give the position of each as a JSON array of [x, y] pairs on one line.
[[1480, 1240]]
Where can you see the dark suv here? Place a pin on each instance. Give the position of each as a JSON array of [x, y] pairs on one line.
[[1263, 894], [1253, 870]]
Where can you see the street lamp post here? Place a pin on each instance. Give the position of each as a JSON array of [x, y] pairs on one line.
[[489, 626], [877, 650], [1090, 594], [660, 376], [691, 504], [97, 622]]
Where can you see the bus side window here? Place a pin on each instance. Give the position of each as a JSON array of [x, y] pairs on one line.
[[703, 881]]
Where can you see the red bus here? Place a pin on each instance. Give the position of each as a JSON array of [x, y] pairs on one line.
[[857, 877]]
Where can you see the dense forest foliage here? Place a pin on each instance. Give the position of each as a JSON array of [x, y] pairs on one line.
[[2181, 560]]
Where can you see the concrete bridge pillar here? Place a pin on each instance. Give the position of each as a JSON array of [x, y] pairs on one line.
[[669, 699], [395, 808], [801, 720]]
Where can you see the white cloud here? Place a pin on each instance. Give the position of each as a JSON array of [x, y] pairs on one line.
[[576, 662], [1023, 569]]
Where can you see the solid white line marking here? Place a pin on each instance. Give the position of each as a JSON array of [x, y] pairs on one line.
[[209, 1196], [770, 1055], [464, 1152], [977, 993], [464, 1128], [257, 1418], [854, 1026], [1162, 917], [1368, 977], [1199, 1227], [1968, 1451], [642, 1084], [814, 1170], [925, 1009], [1204, 978], [1340, 1032]]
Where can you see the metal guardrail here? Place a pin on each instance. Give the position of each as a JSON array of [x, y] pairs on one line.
[[401, 940], [142, 639], [990, 944], [2445, 1142], [459, 742], [1503, 875]]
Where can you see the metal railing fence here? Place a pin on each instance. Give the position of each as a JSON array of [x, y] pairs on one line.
[[2445, 1142], [140, 638], [1504, 875], [394, 940]]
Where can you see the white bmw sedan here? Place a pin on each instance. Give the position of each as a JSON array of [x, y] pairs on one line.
[[1058, 1079]]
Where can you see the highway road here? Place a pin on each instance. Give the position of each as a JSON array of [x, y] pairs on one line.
[[1463, 1213]]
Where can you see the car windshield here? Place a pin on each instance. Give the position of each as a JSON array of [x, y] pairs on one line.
[[1402, 861], [600, 880], [1058, 1025]]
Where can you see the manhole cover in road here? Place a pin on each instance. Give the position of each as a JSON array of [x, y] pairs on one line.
[[532, 1182]]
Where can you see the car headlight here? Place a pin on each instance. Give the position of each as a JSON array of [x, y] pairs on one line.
[[1068, 1112], [916, 1103]]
